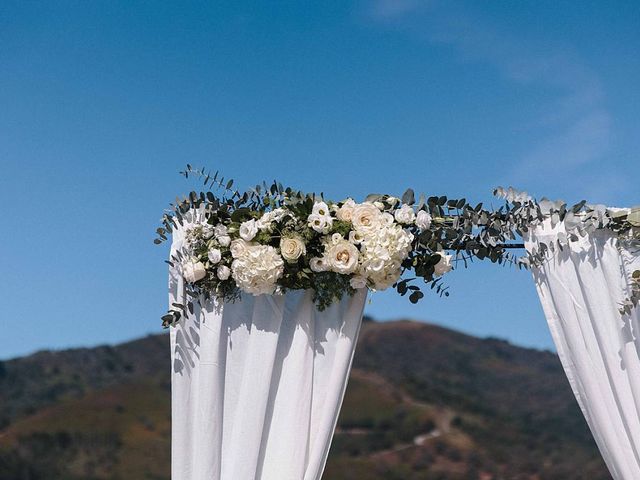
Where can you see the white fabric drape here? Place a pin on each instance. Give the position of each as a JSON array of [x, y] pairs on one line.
[[581, 288], [257, 385]]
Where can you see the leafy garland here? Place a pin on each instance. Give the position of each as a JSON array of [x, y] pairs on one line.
[[627, 227], [445, 225], [579, 220]]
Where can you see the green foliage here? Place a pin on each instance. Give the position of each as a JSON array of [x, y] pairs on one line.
[[470, 232]]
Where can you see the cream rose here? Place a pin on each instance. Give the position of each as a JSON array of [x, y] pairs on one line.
[[238, 248], [345, 212], [292, 248], [365, 216], [342, 257]]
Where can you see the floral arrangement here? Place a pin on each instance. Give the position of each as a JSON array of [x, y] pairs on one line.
[[272, 239]]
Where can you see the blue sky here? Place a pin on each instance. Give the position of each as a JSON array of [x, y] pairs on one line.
[[102, 103]]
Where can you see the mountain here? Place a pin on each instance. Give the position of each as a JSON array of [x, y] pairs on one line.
[[423, 402]]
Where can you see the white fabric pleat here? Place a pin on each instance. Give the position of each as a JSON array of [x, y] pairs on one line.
[[257, 384], [581, 288]]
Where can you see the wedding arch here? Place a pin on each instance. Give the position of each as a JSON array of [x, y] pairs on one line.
[[267, 289]]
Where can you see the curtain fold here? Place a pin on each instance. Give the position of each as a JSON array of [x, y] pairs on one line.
[[581, 288], [257, 384]]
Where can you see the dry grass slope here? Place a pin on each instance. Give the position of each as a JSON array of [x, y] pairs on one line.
[[423, 403]]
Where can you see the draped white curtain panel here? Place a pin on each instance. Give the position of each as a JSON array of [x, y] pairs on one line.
[[581, 288], [257, 384]]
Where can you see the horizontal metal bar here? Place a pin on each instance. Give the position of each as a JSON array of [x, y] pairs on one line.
[[505, 245]]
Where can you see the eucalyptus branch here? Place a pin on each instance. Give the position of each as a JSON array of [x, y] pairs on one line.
[[434, 224]]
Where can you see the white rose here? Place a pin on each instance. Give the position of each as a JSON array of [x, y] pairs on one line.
[[248, 230], [220, 230], [345, 212], [379, 205], [238, 248], [224, 240], [193, 270], [320, 223], [320, 208], [318, 264], [358, 281], [223, 272], [343, 257], [292, 248], [365, 216], [258, 269], [405, 214], [214, 255], [356, 237], [207, 231], [392, 200], [423, 220], [444, 265]]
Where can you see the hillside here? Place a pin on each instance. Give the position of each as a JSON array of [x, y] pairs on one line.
[[423, 403]]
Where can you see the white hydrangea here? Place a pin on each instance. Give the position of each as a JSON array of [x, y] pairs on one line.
[[382, 252], [256, 268]]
